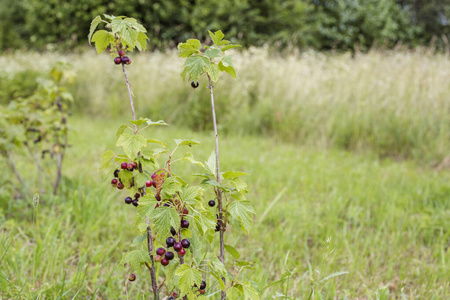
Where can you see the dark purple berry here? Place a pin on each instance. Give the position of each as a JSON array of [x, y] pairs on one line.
[[185, 243], [154, 184], [124, 165], [116, 173], [132, 277], [203, 285], [126, 60], [173, 231], [211, 203], [169, 255], [185, 211], [166, 204], [137, 195], [160, 251], [218, 226], [135, 165], [114, 182], [117, 60], [120, 186], [135, 202], [128, 200], [184, 224], [195, 85], [121, 53], [153, 175], [164, 261], [170, 241], [177, 247], [158, 198]]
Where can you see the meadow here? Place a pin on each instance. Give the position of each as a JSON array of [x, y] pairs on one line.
[[341, 151]]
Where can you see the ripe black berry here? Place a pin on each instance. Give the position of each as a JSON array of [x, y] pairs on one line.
[[185, 243], [116, 173], [166, 204], [173, 231], [184, 224], [203, 285], [170, 241], [117, 60], [181, 253], [128, 200], [137, 195], [132, 277], [218, 226], [160, 251], [121, 53], [126, 60], [124, 165], [120, 186], [169, 255], [135, 202], [211, 203], [164, 261], [177, 247], [195, 85]]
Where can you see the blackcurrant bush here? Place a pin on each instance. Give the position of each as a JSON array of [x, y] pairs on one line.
[[195, 85], [170, 241], [124, 165], [203, 285], [169, 255], [132, 277], [117, 60], [184, 224], [211, 203], [128, 200], [164, 261], [185, 243], [116, 173], [173, 231], [177, 247], [160, 251]]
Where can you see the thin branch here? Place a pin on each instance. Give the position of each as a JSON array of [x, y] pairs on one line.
[[130, 96], [219, 191]]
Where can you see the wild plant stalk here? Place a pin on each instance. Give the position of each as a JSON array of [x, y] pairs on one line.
[[151, 267], [218, 191]]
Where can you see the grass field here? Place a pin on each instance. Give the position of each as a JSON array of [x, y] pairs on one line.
[[340, 151]]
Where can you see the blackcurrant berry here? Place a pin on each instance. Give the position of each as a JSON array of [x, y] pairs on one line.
[[218, 226], [153, 175], [169, 255], [160, 251], [116, 173], [211, 203], [171, 298], [185, 211], [175, 294], [128, 200], [202, 291], [195, 85], [135, 165], [158, 198], [148, 183], [121, 53], [124, 165], [177, 247], [170, 241], [126, 60], [132, 277], [120, 186], [117, 60], [135, 202], [158, 258], [203, 285], [185, 243], [181, 253], [154, 184], [130, 167], [166, 204], [173, 231], [184, 224], [164, 261], [114, 182], [137, 195]]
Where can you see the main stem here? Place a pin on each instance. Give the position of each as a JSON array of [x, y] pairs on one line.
[[149, 232], [219, 191]]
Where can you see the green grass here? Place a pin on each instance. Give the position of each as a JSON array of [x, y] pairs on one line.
[[388, 222]]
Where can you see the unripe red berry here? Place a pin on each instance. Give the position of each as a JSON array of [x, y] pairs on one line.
[[117, 60], [121, 53], [153, 175], [135, 165], [164, 261], [158, 258], [181, 253], [185, 211], [124, 165], [132, 277], [175, 294], [160, 251], [202, 291], [148, 183], [177, 247], [130, 167], [114, 182]]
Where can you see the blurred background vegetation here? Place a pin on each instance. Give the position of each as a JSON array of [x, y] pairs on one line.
[[285, 24]]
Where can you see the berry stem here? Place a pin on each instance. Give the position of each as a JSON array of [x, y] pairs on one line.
[[130, 96], [219, 191]]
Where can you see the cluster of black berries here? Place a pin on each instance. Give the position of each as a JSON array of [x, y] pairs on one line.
[[122, 59], [179, 247]]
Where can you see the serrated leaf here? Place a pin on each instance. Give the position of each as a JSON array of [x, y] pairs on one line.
[[216, 37], [125, 177], [192, 46], [213, 52], [230, 70], [191, 194], [146, 206], [153, 141], [188, 156], [219, 280], [188, 277], [213, 72], [97, 20], [217, 266], [232, 251], [132, 144], [233, 293], [189, 143], [141, 43], [249, 292], [211, 164], [120, 130], [229, 46], [195, 66], [140, 179], [106, 158], [138, 240], [205, 221], [170, 187], [136, 257], [233, 174], [164, 217], [102, 40], [242, 212]]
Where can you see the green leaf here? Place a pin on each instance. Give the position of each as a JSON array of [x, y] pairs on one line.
[[106, 158], [242, 212], [140, 179], [205, 221], [186, 142], [97, 20], [232, 251], [153, 141], [170, 186], [141, 43], [148, 122], [192, 46], [213, 52], [213, 71], [191, 194], [164, 217], [211, 164], [233, 174], [120, 130], [136, 258], [234, 293], [102, 40], [132, 144], [126, 176], [229, 46], [195, 66], [217, 266], [230, 70], [188, 156], [216, 37], [249, 292], [188, 277], [138, 240], [146, 206]]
